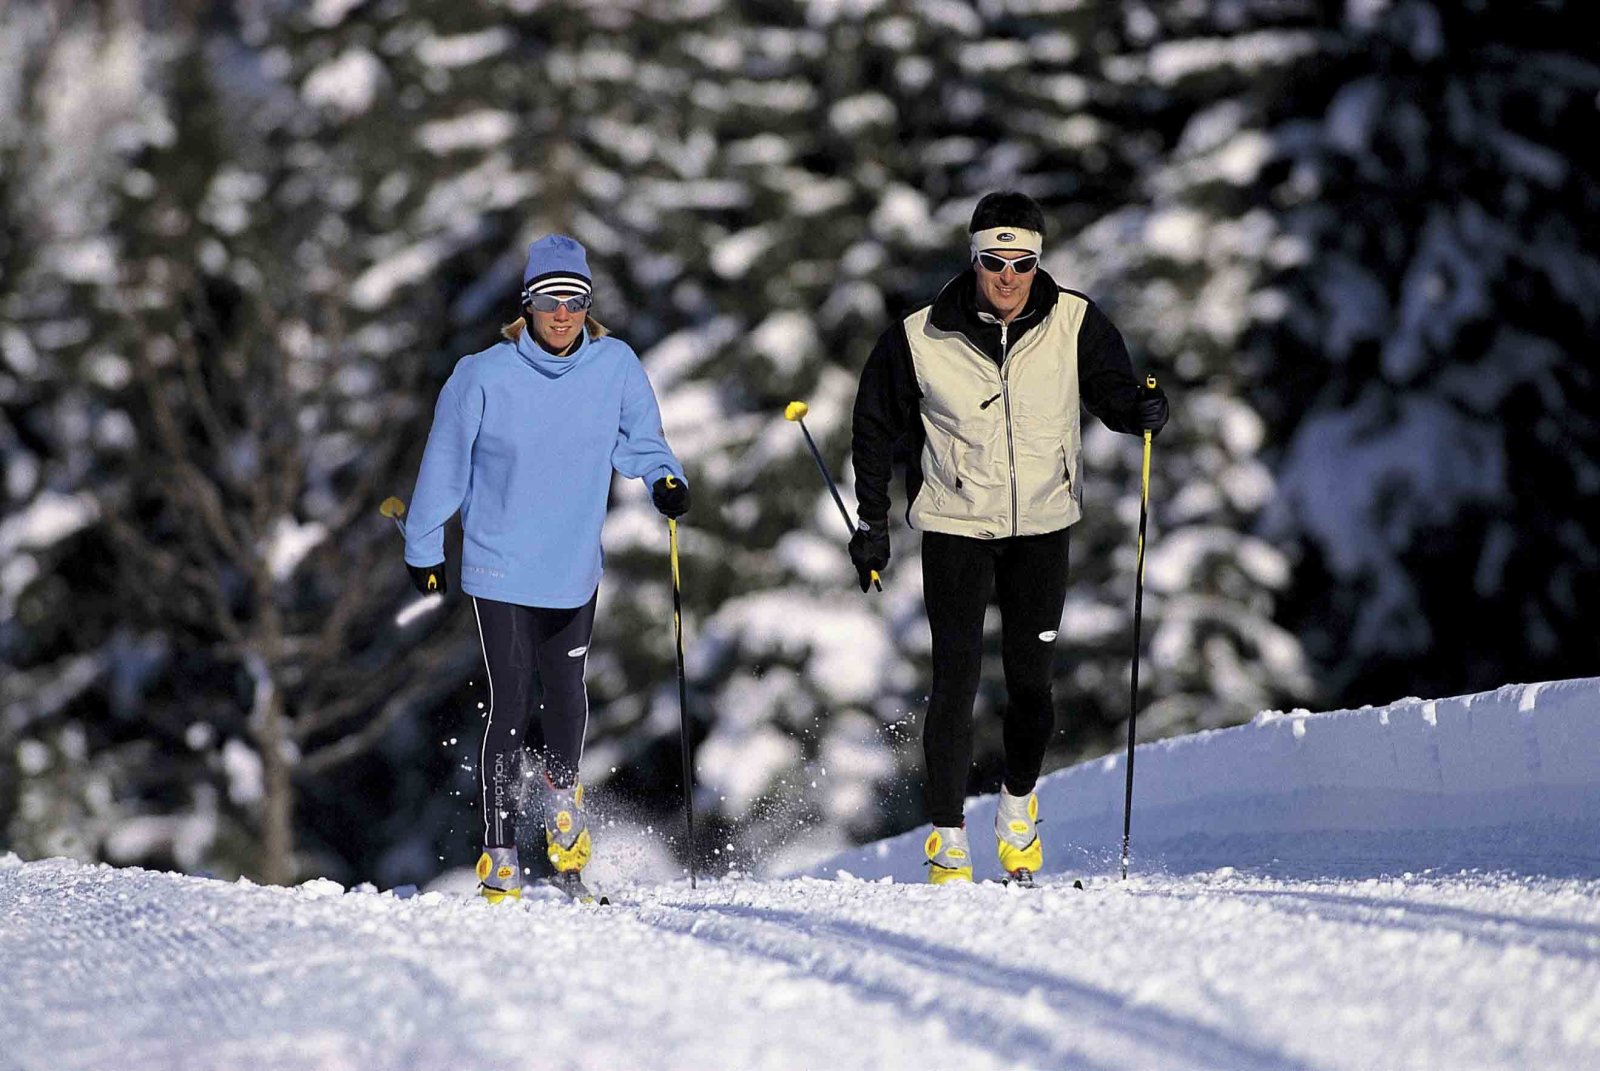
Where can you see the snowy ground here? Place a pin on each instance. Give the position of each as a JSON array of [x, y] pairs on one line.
[[1391, 888]]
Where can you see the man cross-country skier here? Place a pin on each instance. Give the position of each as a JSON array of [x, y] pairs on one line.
[[524, 441], [986, 382]]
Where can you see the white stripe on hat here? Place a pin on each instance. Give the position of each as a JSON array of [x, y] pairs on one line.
[[1007, 238], [560, 285]]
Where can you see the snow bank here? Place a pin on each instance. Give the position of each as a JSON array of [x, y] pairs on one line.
[[1504, 780]]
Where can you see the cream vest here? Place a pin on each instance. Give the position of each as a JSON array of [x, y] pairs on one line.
[[1003, 446]]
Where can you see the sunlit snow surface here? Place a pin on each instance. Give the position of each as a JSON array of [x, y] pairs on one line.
[[1414, 886]]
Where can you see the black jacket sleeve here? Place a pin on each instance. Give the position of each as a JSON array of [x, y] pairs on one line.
[[1105, 374], [886, 406]]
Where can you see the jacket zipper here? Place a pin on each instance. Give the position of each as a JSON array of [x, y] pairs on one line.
[[1011, 445]]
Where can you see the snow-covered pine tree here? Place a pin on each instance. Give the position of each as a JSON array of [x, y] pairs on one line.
[[78, 776], [262, 401], [1361, 250], [325, 205], [1438, 405], [1179, 265]]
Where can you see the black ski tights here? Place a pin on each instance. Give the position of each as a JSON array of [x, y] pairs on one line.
[[525, 647], [1028, 574]]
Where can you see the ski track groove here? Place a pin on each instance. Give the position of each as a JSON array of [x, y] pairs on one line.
[[152, 971], [955, 973], [177, 1008], [1569, 939]]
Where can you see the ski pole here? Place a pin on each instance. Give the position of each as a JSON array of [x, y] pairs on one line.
[[1138, 610], [394, 509], [796, 412], [683, 691]]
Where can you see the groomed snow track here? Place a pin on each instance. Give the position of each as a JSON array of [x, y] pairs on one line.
[[1283, 913]]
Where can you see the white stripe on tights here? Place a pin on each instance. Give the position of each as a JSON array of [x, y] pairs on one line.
[[483, 748]]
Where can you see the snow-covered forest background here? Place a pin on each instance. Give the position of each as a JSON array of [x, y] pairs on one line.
[[243, 244]]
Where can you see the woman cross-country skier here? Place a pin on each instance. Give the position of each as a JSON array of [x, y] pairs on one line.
[[524, 440]]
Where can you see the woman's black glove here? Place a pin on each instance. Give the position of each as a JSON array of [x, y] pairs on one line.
[[1151, 410], [869, 550], [671, 496], [428, 579]]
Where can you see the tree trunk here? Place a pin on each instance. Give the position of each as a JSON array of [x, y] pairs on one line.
[[270, 729]]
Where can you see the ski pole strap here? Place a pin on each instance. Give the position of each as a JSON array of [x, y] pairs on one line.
[[1144, 484], [1144, 502], [672, 540]]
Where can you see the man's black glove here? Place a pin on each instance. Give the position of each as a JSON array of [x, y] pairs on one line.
[[1150, 409], [869, 550], [671, 496], [428, 579]]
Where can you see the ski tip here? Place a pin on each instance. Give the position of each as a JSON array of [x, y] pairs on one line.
[[1025, 880]]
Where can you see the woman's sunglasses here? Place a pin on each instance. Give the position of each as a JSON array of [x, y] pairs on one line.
[[994, 262], [550, 303]]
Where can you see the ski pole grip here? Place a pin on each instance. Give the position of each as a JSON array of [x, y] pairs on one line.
[[796, 411], [394, 509], [671, 482], [1150, 381]]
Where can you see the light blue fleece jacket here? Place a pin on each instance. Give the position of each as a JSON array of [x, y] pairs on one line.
[[523, 445]]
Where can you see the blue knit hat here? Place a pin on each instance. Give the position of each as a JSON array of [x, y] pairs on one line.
[[557, 265]]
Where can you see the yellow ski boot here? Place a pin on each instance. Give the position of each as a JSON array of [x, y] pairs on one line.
[[1016, 832], [499, 876], [948, 857], [566, 829]]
